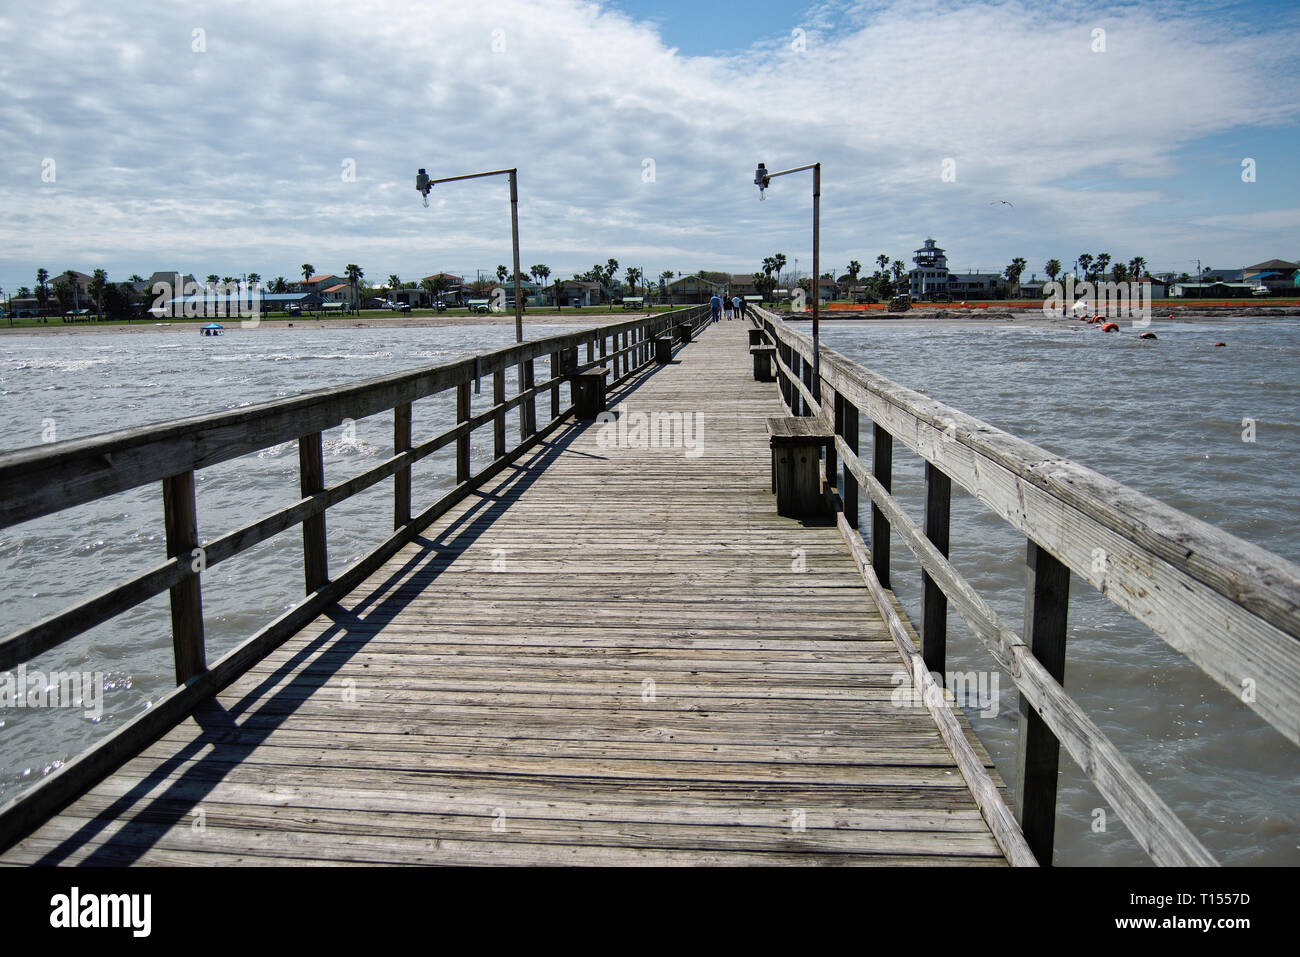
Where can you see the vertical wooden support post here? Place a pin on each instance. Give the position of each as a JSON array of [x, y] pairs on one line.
[[934, 604], [620, 366], [180, 520], [882, 468], [311, 479], [850, 433], [402, 477], [555, 389], [591, 350], [813, 387], [529, 409], [1047, 597], [499, 420], [462, 443], [832, 457]]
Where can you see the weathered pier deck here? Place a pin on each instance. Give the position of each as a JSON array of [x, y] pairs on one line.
[[606, 655], [658, 637]]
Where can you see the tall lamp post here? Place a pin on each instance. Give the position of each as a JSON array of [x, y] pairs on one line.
[[423, 183], [762, 179]]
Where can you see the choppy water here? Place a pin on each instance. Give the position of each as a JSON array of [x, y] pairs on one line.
[[1164, 417]]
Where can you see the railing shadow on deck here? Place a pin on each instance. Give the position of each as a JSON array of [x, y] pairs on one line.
[[46, 479], [152, 820]]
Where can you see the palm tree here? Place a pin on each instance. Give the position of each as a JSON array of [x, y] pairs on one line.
[[354, 274], [430, 287], [43, 293], [1013, 272], [1102, 261], [71, 278], [254, 278], [883, 262], [778, 263], [280, 285], [213, 278], [1053, 269], [1138, 267], [393, 283], [308, 270], [1085, 260], [98, 281], [502, 272]]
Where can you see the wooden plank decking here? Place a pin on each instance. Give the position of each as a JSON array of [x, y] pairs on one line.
[[607, 656]]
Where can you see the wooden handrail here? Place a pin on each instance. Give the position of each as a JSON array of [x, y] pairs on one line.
[[1229, 606]]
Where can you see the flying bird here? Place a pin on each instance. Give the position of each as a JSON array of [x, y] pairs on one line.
[[1003, 202]]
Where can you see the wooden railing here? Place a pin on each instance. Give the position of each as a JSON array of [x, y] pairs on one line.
[[1227, 605], [46, 479]]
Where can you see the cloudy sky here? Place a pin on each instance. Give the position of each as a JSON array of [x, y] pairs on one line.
[[257, 136]]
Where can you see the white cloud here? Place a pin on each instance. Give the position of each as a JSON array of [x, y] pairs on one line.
[[229, 160]]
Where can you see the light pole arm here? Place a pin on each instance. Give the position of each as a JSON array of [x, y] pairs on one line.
[[452, 179]]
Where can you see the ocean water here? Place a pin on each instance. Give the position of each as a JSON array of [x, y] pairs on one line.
[[1163, 417]]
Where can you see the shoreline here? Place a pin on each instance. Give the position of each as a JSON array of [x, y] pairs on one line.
[[943, 317]]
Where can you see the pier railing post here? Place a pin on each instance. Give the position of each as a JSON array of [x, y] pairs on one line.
[[555, 389], [850, 433], [812, 387], [462, 443], [180, 520], [311, 479], [882, 468], [499, 420], [1047, 596], [528, 408], [934, 603], [402, 477], [837, 427]]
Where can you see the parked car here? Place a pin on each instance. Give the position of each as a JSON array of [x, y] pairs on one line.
[[399, 306]]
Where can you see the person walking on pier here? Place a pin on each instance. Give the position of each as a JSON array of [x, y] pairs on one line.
[[738, 307], [715, 307]]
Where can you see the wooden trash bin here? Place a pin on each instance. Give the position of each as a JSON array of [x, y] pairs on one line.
[[663, 350], [588, 390], [763, 362], [796, 443]]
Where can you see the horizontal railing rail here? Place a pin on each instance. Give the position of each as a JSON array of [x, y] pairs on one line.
[[1230, 607], [43, 480]]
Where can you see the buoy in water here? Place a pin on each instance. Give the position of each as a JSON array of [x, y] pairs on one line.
[[1110, 327], [1148, 335], [1218, 344]]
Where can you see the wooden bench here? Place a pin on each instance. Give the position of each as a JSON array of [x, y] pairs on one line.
[[796, 443], [663, 350], [588, 391], [763, 362]]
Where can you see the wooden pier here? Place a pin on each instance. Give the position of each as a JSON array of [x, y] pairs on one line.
[[607, 647]]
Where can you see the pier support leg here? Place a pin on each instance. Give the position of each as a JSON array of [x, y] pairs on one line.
[[882, 467], [402, 477], [934, 604], [1047, 595], [180, 519], [311, 479]]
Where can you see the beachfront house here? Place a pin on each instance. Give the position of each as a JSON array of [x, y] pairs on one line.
[[978, 285], [692, 290], [1279, 277], [579, 292], [929, 277]]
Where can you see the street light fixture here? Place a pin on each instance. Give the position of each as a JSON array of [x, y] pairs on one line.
[[423, 183], [763, 179]]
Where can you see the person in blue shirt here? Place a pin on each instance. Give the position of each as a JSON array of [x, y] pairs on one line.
[[715, 307], [737, 306]]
